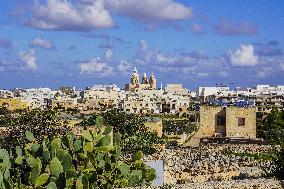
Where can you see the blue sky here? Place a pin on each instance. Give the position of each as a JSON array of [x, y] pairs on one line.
[[51, 43]]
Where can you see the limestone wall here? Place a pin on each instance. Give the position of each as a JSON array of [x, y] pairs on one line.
[[232, 128], [211, 163], [261, 183], [156, 127], [208, 126], [208, 118]]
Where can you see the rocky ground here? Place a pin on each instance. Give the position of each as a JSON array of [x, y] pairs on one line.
[[260, 183], [212, 167]]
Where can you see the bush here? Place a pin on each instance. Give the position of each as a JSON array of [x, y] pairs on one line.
[[135, 136], [271, 126], [178, 126], [90, 161], [279, 162], [42, 123]]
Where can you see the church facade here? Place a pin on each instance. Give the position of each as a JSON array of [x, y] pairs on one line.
[[145, 84]]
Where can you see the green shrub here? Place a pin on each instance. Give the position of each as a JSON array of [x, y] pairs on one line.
[[90, 161], [270, 126], [178, 126], [42, 123], [134, 135], [279, 162]]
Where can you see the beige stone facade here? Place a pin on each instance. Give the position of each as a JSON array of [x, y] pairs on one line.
[[216, 121], [241, 122], [146, 84], [13, 104], [227, 122], [208, 116], [154, 125]]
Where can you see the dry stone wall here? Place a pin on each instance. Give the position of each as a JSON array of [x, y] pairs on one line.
[[260, 183], [210, 164]]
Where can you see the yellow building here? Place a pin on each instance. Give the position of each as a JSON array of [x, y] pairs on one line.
[[230, 122], [13, 104], [154, 124], [146, 84], [64, 104]]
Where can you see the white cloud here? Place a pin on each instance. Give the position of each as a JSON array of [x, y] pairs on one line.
[[228, 28], [65, 15], [4, 65], [198, 65], [108, 54], [84, 15], [222, 73], [42, 43], [145, 54], [95, 66], [244, 56], [124, 66], [166, 59], [143, 45], [29, 60], [150, 10], [202, 74], [189, 64], [156, 57]]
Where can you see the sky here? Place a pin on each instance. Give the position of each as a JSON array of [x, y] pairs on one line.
[[53, 43]]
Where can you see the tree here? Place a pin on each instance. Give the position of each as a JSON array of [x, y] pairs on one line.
[[178, 126], [42, 123], [278, 159], [89, 120], [135, 136], [271, 126]]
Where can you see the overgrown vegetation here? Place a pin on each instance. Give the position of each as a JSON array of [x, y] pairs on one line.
[[279, 162], [39, 151], [69, 162], [178, 126], [135, 136], [271, 127], [42, 123]]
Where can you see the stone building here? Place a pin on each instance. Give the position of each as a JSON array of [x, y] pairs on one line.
[[154, 124], [217, 121], [67, 90], [13, 104], [135, 85], [64, 102]]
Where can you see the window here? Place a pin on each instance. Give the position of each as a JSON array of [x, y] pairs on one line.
[[241, 121], [221, 120]]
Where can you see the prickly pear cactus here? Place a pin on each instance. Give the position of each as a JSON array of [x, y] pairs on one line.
[[89, 161]]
